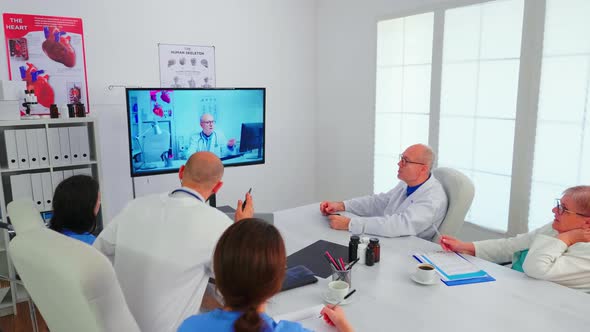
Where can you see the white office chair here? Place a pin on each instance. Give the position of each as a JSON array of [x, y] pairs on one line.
[[154, 145], [460, 192], [73, 285], [26, 213]]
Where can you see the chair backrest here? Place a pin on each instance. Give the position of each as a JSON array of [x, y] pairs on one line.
[[154, 145], [73, 285], [460, 192], [26, 214]]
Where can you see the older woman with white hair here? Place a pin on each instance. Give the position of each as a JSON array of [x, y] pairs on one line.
[[558, 252]]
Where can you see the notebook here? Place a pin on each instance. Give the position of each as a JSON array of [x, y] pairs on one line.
[[312, 257], [298, 276]]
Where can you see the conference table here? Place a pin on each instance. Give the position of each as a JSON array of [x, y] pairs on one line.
[[388, 300]]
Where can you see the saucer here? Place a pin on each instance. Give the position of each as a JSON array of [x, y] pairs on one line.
[[433, 282], [331, 301]]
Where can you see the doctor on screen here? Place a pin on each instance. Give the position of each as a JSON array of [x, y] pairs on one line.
[[211, 140]]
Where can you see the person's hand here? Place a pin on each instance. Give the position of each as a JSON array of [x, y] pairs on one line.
[[449, 243], [231, 143], [339, 222], [575, 235], [327, 208], [247, 211], [335, 317]]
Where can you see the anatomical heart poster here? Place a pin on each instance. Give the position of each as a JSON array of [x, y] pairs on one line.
[[48, 53], [186, 66]]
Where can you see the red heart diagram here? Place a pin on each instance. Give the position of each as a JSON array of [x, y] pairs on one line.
[[58, 47], [39, 83]]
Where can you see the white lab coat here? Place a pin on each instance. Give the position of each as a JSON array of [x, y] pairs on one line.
[[161, 248], [549, 258], [394, 214], [215, 143]]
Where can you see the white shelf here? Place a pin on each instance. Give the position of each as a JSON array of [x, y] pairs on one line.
[[25, 170], [43, 122]]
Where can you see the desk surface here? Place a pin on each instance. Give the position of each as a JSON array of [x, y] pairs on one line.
[[387, 300]]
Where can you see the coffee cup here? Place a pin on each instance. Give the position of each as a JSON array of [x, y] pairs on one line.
[[337, 290], [425, 273]]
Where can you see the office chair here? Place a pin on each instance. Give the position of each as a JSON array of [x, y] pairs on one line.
[[155, 145], [460, 192], [57, 269]]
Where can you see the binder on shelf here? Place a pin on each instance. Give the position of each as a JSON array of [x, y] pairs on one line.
[[53, 145], [32, 147], [453, 268], [11, 154], [74, 144], [37, 187], [21, 186], [42, 149], [56, 178], [84, 143], [47, 191], [64, 143], [21, 148], [83, 171], [68, 173]]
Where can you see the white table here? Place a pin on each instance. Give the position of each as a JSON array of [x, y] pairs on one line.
[[388, 300]]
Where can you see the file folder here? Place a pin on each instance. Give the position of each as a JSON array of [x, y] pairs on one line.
[[68, 173], [42, 149], [32, 147], [37, 191], [56, 178], [83, 171], [11, 154], [475, 276], [84, 143], [64, 144], [21, 148], [21, 186], [74, 144], [53, 145], [47, 191]]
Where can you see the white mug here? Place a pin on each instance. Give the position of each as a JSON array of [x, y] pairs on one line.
[[337, 290], [425, 273]]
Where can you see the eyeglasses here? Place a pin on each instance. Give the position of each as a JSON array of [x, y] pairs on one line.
[[561, 209], [208, 122], [405, 161]]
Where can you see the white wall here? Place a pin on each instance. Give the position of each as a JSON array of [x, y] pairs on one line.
[[258, 43], [347, 36]]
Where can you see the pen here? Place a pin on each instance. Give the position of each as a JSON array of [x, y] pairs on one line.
[[337, 303], [334, 214], [352, 264], [331, 262], [341, 261], [245, 199]]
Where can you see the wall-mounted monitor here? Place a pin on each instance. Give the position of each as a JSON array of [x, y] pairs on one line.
[[166, 126]]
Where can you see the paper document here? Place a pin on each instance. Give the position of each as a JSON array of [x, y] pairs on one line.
[[308, 318], [453, 268]]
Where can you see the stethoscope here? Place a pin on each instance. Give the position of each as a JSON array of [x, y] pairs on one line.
[[186, 192], [202, 138]]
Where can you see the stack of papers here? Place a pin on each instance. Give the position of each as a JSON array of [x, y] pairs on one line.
[[453, 268]]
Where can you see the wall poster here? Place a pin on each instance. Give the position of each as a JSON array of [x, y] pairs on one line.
[[186, 66], [48, 53]]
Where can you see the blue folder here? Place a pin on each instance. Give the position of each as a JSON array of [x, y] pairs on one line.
[[472, 278]]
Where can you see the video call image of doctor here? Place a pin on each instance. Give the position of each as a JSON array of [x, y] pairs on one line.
[[211, 140]]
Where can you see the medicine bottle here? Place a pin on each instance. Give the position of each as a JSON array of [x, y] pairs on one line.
[[361, 252], [353, 247], [374, 244], [53, 111], [370, 256]]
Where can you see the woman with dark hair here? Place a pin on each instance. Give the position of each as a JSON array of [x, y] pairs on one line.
[[76, 202], [249, 264]]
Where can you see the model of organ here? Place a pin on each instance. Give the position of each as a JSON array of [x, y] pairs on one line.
[[58, 47], [158, 110], [39, 83], [75, 95]]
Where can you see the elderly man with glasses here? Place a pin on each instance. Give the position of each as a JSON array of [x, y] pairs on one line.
[[416, 206], [558, 252]]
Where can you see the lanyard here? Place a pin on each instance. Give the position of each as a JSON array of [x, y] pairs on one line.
[[186, 192]]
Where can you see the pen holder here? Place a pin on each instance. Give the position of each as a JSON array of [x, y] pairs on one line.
[[345, 275]]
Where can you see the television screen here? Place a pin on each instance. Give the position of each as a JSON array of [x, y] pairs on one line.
[[166, 126]]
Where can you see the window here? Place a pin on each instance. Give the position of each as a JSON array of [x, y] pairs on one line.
[[404, 61], [562, 147], [512, 115]]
